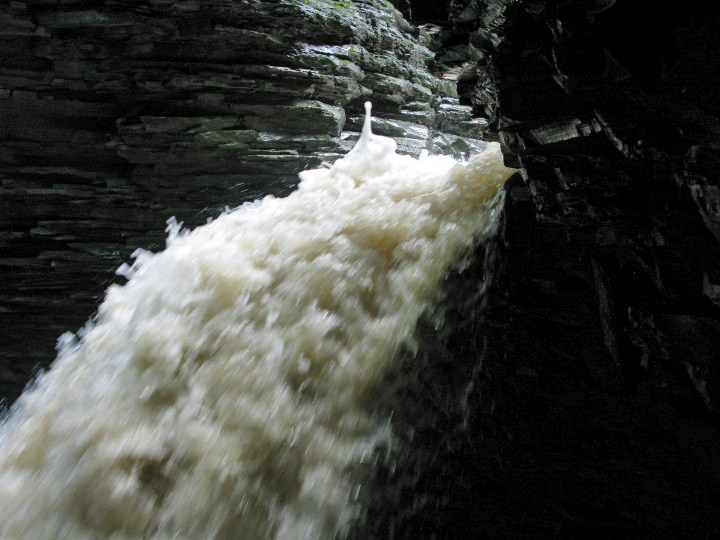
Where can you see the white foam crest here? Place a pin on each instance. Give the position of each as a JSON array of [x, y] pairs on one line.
[[230, 388]]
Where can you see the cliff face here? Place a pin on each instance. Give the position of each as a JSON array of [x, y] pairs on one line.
[[580, 398], [115, 116], [601, 376]]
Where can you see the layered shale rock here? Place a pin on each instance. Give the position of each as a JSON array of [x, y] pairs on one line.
[[579, 397], [117, 115], [594, 405]]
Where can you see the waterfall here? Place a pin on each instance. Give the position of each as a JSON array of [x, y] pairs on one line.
[[233, 387]]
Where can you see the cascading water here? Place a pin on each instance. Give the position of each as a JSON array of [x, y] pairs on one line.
[[232, 388]]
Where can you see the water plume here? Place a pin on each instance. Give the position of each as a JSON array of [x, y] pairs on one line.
[[232, 388]]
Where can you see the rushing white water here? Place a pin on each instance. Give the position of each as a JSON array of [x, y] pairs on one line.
[[231, 388]]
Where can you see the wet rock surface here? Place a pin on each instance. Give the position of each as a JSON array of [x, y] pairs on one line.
[[594, 412], [115, 116], [578, 397]]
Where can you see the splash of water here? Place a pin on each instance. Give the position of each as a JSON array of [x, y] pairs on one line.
[[232, 387]]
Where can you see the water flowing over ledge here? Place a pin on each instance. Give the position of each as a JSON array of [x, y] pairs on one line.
[[232, 388]]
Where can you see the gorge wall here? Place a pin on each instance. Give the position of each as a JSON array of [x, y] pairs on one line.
[[600, 378], [588, 374], [115, 116]]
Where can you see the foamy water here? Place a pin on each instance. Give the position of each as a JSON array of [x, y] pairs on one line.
[[233, 387]]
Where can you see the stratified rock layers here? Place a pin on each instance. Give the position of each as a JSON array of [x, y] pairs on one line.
[[115, 116], [594, 410], [580, 398]]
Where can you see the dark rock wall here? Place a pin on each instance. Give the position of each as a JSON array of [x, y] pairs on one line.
[[117, 115], [596, 411], [580, 397]]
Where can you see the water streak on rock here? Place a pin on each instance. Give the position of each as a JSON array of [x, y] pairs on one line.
[[233, 387]]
